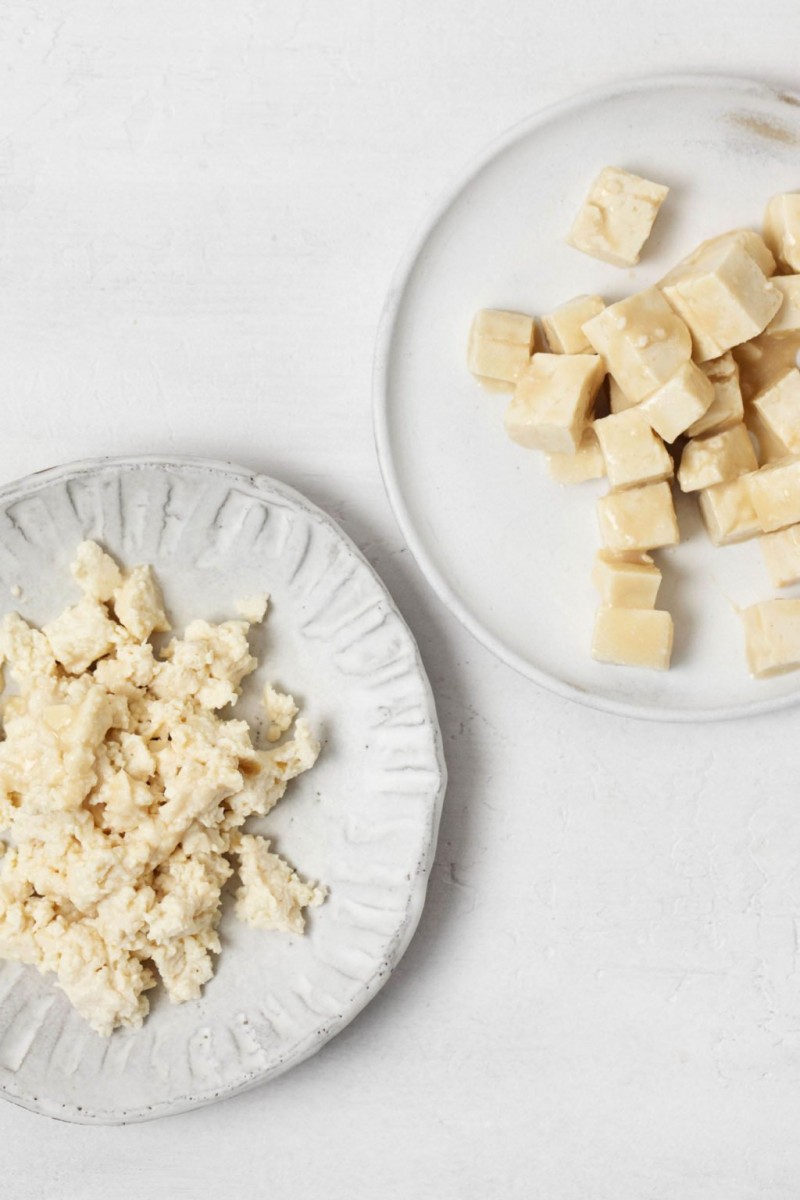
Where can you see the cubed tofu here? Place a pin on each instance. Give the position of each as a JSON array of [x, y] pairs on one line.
[[642, 341], [772, 636], [727, 407], [617, 400], [638, 519], [563, 328], [500, 345], [626, 582], [587, 462], [723, 296], [552, 401], [679, 402], [770, 448], [779, 409], [775, 494], [786, 321], [728, 512], [781, 552], [747, 239], [633, 453], [764, 360], [706, 462], [782, 229], [630, 637], [617, 216]]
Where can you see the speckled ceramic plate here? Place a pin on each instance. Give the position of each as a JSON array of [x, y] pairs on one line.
[[503, 546], [364, 821]]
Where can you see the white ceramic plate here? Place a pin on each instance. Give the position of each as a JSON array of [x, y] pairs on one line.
[[364, 821], [504, 547]]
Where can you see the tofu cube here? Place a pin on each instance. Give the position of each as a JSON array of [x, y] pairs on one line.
[[617, 216], [679, 402], [552, 401], [782, 229], [633, 453], [642, 341], [775, 494], [626, 582], [630, 637], [500, 345], [563, 327], [772, 636], [617, 400], [786, 321], [779, 409], [587, 462], [770, 448], [727, 407], [747, 239], [781, 552], [638, 519], [706, 462], [728, 512], [723, 296]]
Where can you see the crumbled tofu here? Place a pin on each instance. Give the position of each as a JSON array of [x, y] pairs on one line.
[[500, 345], [552, 401], [772, 636], [727, 407], [633, 453], [638, 519], [642, 341], [706, 462], [586, 463], [124, 793], [617, 400], [679, 403], [781, 552], [787, 319], [779, 409], [626, 582], [617, 216], [723, 296], [253, 609], [775, 494], [563, 327], [728, 512], [782, 229], [629, 637], [272, 896], [280, 710]]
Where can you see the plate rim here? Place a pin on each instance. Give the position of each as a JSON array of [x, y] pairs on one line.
[[380, 392], [262, 482]]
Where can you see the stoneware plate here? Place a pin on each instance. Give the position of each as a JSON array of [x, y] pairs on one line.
[[508, 550], [364, 821]]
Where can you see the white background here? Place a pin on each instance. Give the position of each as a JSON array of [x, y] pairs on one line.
[[201, 204]]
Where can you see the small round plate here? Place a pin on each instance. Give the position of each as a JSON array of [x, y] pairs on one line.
[[507, 549], [363, 821]]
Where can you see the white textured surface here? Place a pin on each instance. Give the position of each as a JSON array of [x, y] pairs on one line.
[[201, 209]]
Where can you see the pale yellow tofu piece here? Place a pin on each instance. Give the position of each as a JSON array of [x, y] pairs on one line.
[[617, 216], [626, 582], [706, 462], [679, 402], [617, 400], [770, 448], [772, 636], [630, 637], [781, 552], [563, 328], [633, 453], [642, 341], [775, 494], [552, 401], [747, 239], [500, 345], [587, 462], [728, 512], [727, 407], [779, 409], [764, 360], [782, 229], [787, 319], [638, 519], [723, 296]]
